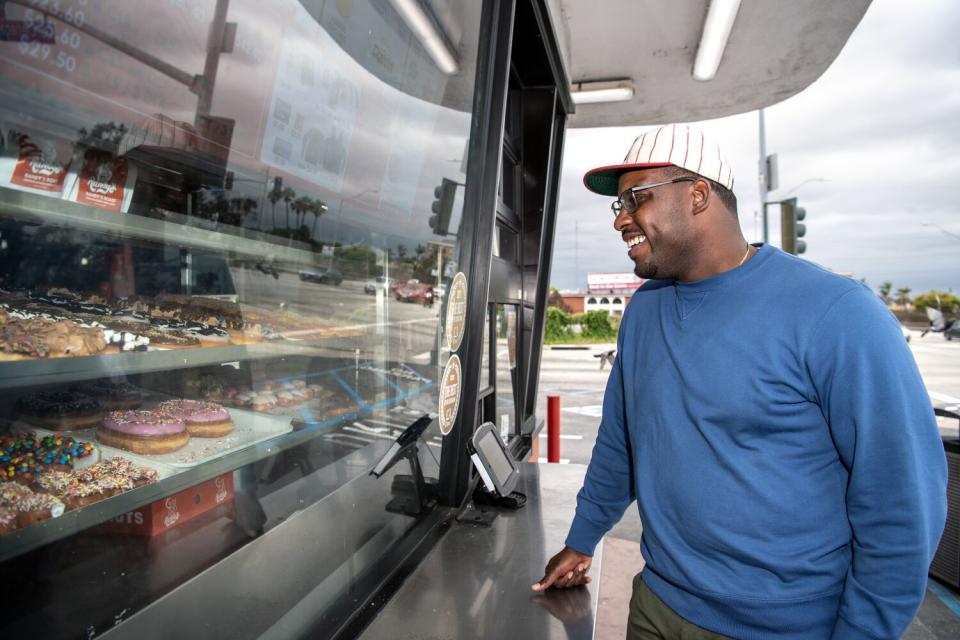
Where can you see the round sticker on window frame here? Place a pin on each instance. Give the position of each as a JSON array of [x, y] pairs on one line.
[[456, 321], [449, 402]]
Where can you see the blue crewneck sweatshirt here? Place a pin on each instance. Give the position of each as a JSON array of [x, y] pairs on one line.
[[774, 430]]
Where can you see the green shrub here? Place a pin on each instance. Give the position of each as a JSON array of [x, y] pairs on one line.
[[946, 302], [597, 325], [557, 327]]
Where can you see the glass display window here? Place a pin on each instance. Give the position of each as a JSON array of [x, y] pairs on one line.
[[221, 295]]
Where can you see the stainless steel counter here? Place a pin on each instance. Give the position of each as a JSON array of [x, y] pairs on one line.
[[476, 582]]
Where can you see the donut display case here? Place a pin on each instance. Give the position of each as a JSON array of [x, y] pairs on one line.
[[194, 370]]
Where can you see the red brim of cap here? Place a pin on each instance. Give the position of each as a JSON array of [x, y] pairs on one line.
[[606, 180]]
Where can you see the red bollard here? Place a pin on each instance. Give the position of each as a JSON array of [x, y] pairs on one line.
[[553, 429]]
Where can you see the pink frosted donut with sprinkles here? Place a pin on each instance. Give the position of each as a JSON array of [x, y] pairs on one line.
[[203, 419], [149, 432]]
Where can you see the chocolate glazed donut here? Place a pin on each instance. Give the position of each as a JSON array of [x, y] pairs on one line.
[[112, 395], [60, 410]]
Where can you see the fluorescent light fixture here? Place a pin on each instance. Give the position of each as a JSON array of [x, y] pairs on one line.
[[428, 32], [716, 30], [606, 91]]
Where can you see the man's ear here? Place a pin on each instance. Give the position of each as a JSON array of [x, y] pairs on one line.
[[701, 196]]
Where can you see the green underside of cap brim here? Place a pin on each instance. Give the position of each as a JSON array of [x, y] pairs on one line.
[[604, 182]]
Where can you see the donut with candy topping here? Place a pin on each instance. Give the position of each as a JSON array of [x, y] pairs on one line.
[[25, 456]]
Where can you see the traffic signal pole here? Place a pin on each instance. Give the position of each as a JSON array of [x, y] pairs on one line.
[[792, 227], [791, 215], [442, 206]]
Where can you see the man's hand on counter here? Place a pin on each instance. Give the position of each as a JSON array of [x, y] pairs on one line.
[[566, 569]]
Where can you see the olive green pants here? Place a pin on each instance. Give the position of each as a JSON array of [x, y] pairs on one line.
[[651, 619]]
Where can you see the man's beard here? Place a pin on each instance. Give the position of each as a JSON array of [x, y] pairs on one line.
[[646, 270]]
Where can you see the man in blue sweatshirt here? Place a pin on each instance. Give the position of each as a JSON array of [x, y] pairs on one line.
[[767, 417]]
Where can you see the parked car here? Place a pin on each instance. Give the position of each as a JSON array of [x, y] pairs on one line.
[[380, 282], [414, 291], [322, 275]]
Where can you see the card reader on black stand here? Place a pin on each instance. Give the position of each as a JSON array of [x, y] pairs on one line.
[[498, 472], [405, 447]]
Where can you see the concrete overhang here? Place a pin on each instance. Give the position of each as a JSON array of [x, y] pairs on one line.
[[776, 49]]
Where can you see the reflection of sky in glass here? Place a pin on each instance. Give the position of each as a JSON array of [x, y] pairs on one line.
[[333, 124]]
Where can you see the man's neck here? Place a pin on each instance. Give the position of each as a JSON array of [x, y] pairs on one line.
[[734, 253]]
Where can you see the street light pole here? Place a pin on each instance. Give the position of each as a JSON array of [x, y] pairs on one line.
[[340, 211], [215, 42]]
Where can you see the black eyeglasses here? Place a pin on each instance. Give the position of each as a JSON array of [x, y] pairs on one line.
[[627, 202]]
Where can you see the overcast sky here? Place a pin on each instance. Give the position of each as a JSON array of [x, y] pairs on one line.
[[882, 126]]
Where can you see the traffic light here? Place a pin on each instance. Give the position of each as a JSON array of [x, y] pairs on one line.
[[791, 227], [442, 206]]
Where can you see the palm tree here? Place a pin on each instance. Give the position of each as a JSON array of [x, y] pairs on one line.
[[274, 197], [903, 296], [885, 289], [300, 208], [288, 196]]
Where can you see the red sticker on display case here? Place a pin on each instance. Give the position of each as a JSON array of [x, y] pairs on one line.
[[41, 164], [103, 181]]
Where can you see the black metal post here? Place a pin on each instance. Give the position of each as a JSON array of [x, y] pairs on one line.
[[479, 211]]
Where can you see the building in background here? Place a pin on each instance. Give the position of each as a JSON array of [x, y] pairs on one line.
[[610, 292]]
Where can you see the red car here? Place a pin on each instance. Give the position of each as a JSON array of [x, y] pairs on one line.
[[414, 291]]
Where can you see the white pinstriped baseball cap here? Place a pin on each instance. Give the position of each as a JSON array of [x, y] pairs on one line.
[[681, 145]]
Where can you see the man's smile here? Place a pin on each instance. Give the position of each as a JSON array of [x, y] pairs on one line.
[[633, 241]]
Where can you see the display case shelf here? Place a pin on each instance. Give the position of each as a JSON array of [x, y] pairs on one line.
[[184, 232], [24, 540], [38, 535], [24, 373]]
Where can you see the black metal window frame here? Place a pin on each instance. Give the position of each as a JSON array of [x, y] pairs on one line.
[[481, 200]]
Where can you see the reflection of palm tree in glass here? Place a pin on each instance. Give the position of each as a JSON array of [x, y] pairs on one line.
[[274, 197], [288, 196], [300, 207]]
